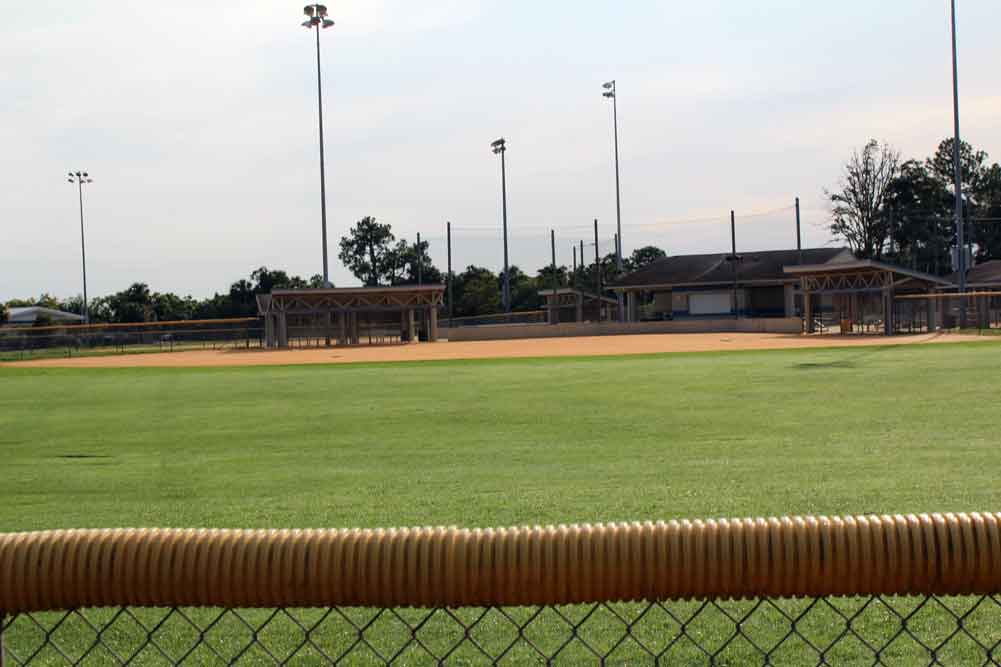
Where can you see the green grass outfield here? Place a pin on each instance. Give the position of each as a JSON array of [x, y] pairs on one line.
[[486, 443]]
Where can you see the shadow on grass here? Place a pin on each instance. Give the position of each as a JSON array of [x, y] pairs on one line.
[[849, 363]]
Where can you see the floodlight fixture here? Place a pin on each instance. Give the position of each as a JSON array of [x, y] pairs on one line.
[[79, 178], [316, 17]]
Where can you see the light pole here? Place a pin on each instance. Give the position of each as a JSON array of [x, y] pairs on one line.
[[609, 93], [81, 177], [958, 175], [316, 17], [500, 147]]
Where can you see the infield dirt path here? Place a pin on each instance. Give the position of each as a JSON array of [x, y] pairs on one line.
[[526, 348]]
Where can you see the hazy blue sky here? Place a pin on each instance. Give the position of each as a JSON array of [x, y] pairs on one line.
[[197, 121]]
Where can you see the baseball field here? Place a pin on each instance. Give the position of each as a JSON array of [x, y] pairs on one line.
[[504, 441]]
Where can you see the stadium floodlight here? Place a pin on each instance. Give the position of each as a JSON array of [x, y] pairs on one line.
[[317, 18], [80, 178], [609, 88], [499, 147]]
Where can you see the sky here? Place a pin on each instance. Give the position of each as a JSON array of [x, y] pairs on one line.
[[198, 123]]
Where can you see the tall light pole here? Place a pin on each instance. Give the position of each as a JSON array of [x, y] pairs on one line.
[[316, 18], [958, 175], [609, 93], [81, 177], [500, 147]]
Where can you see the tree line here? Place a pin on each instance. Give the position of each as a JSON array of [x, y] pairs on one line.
[[374, 255], [904, 211]]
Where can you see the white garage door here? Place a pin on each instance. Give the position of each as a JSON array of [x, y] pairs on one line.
[[709, 303]]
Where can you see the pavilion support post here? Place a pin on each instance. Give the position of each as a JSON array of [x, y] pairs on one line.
[[433, 324], [404, 331], [342, 333], [355, 330], [887, 312], [932, 313], [983, 312], [411, 325], [789, 298], [579, 306], [282, 330], [327, 327], [808, 311], [269, 330]]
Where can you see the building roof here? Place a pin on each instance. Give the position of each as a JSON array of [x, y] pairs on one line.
[[587, 296], [31, 314], [865, 265], [717, 269], [987, 274]]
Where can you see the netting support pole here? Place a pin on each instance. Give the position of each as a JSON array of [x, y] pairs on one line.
[[451, 299]]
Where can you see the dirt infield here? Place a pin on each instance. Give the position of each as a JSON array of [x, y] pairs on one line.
[[537, 347]]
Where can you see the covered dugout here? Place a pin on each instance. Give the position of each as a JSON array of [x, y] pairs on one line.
[[864, 293], [349, 315]]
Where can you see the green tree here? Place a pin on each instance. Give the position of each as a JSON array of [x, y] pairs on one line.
[[407, 260], [973, 167], [643, 257], [857, 207], [169, 307], [981, 193], [368, 251], [544, 277], [916, 212], [987, 232], [477, 292], [524, 290]]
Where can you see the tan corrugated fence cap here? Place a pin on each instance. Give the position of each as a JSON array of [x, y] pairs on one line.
[[740, 558]]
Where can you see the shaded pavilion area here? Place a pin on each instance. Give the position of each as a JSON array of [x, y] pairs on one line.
[[350, 315], [864, 293]]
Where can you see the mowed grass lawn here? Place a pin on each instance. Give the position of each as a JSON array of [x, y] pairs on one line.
[[485, 443]]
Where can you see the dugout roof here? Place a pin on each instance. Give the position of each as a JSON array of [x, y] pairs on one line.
[[369, 299]]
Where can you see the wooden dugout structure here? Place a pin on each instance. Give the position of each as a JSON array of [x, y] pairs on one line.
[[345, 314], [864, 291]]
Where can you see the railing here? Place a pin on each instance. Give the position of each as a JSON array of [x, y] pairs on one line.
[[19, 343], [854, 590], [516, 317]]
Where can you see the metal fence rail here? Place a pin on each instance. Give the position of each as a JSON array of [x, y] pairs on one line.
[[18, 342]]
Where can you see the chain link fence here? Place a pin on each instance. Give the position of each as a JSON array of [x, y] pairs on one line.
[[21, 343], [876, 630]]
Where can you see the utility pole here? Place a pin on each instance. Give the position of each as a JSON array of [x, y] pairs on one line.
[[420, 261], [733, 259], [597, 267], [451, 299], [554, 308], [958, 174], [799, 238]]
